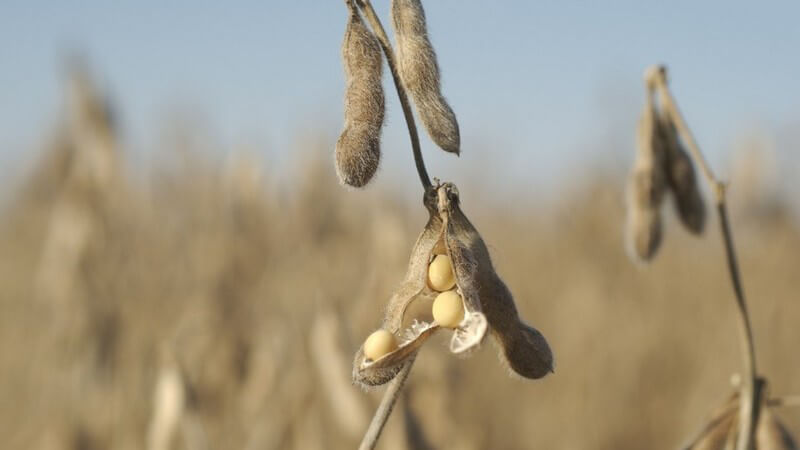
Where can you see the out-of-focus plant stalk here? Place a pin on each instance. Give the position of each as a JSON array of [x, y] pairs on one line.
[[385, 408], [750, 395], [786, 400]]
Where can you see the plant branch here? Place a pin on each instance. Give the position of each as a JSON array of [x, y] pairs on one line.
[[380, 32], [385, 408], [786, 400], [750, 404], [393, 391]]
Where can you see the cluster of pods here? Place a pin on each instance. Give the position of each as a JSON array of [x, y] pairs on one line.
[[450, 265], [662, 166]]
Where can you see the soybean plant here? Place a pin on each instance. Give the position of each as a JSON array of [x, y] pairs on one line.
[[663, 166], [449, 264]]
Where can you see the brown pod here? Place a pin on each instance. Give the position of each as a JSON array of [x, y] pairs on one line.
[[524, 348], [681, 178], [358, 147], [771, 434], [722, 429], [419, 71], [719, 430], [645, 231], [487, 302], [646, 187]]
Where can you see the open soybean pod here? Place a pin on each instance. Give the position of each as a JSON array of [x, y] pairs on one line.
[[487, 302], [419, 71], [646, 186], [523, 347], [358, 148], [681, 177]]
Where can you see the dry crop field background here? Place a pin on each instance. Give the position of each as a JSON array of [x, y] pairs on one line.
[[259, 293], [217, 303]]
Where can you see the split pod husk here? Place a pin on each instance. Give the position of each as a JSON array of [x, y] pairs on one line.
[[488, 304]]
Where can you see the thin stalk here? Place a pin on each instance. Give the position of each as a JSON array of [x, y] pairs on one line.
[[385, 408], [787, 400], [380, 32], [396, 385], [749, 405]]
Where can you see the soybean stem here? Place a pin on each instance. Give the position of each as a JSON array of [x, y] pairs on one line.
[[396, 385], [385, 408], [750, 403], [788, 400], [380, 32]]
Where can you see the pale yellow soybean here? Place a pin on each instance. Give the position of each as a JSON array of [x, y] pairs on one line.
[[379, 344], [448, 309], [440, 274]]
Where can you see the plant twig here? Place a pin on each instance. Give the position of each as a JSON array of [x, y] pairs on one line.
[[385, 408], [786, 400], [396, 385], [380, 32], [749, 404]]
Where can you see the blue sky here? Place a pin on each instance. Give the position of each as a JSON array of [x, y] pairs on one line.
[[538, 86]]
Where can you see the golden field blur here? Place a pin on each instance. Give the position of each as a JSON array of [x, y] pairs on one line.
[[205, 305]]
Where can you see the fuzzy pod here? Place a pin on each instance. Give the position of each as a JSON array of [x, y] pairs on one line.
[[644, 232], [419, 71], [488, 304], [722, 429], [646, 186], [681, 178], [358, 150]]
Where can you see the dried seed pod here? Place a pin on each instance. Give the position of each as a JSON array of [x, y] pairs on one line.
[[717, 432], [524, 348], [646, 186], [358, 148], [721, 430], [419, 71], [771, 434], [645, 231], [486, 300], [681, 177]]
